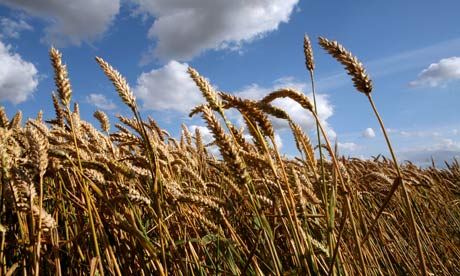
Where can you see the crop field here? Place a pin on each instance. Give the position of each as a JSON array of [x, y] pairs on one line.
[[127, 198]]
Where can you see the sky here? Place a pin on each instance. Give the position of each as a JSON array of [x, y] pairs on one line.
[[411, 50]]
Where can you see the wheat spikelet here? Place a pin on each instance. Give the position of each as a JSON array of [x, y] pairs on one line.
[[303, 143], [103, 120], [39, 116], [16, 121], [40, 126], [274, 111], [205, 221], [304, 189], [232, 184], [227, 149], [76, 109], [132, 123], [120, 83], [95, 140], [24, 192], [95, 176], [47, 221], [186, 134], [58, 110], [249, 109], [212, 203], [39, 150], [239, 138], [135, 198], [61, 77], [195, 176], [380, 177], [76, 125], [355, 69], [7, 150], [315, 242], [289, 93], [156, 128], [3, 118], [308, 51], [199, 141], [206, 89]]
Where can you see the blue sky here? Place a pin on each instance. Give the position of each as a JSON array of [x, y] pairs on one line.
[[411, 50]]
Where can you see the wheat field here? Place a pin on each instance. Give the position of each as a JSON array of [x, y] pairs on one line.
[[78, 199]]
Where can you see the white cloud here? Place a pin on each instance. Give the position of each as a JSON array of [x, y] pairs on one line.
[[12, 29], [439, 73], [369, 133], [168, 88], [101, 101], [445, 150], [18, 78], [184, 29], [70, 21], [297, 113], [416, 133], [348, 146], [278, 141]]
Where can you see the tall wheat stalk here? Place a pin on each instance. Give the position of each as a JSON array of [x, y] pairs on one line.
[[363, 84], [310, 65]]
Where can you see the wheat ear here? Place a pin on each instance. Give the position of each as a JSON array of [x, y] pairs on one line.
[[354, 67], [206, 89], [120, 83], [308, 51], [289, 93], [103, 119], [61, 77]]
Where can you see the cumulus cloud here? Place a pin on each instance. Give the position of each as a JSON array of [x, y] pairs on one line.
[[18, 78], [297, 113], [11, 28], [101, 101], [168, 88], [369, 133], [347, 146], [70, 22], [416, 133], [278, 141], [444, 151], [439, 73], [183, 29]]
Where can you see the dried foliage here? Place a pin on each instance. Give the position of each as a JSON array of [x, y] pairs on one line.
[[76, 200]]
